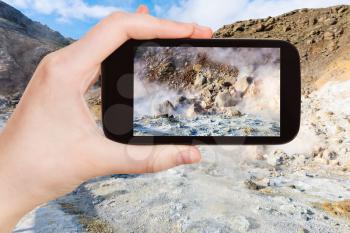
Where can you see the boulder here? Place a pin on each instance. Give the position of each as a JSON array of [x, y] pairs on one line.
[[200, 80], [197, 67], [341, 10], [225, 99], [191, 112], [206, 95], [3, 102], [247, 130], [243, 83], [232, 112], [329, 155], [165, 108], [259, 28], [226, 84], [312, 21], [183, 100], [331, 21], [276, 158], [287, 28], [328, 35], [227, 78], [239, 28]]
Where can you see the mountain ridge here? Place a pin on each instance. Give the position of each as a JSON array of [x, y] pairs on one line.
[[11, 18], [23, 43]]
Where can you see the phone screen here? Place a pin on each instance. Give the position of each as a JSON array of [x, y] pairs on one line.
[[207, 91]]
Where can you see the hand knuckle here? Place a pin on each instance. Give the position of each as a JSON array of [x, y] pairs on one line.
[[51, 70], [51, 63], [49, 58]]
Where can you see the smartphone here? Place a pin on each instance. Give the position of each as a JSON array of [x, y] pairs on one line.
[[202, 91]]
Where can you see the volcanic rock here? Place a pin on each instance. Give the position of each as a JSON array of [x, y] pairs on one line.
[[165, 108], [23, 43], [308, 38], [225, 99]]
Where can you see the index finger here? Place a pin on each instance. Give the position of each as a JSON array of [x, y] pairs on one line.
[[114, 30]]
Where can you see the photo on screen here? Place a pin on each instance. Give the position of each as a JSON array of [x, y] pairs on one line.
[[206, 91]]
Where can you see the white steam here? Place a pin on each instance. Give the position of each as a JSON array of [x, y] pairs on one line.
[[148, 96], [262, 64]]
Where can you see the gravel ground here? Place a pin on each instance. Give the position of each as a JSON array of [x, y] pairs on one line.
[[206, 125]]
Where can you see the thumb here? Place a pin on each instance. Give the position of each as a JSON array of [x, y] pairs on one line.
[[142, 9], [114, 158]]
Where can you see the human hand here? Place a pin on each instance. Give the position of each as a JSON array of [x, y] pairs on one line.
[[51, 143]]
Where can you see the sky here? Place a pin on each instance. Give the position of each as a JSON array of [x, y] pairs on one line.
[[73, 18]]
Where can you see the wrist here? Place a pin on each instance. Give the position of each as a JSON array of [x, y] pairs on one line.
[[15, 200], [13, 205]]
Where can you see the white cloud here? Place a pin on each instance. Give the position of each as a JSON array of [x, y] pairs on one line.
[[213, 13], [219, 12], [65, 9], [17, 3]]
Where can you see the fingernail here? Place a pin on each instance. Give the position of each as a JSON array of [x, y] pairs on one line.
[[188, 156]]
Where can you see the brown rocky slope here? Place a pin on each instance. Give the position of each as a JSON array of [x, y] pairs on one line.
[[321, 36]]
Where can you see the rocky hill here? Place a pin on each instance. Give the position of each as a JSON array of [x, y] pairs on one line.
[[23, 43], [321, 36]]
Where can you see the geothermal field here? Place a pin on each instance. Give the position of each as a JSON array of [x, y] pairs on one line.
[[207, 91], [300, 187]]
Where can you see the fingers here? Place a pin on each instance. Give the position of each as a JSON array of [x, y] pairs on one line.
[[142, 9], [115, 158], [114, 30], [201, 32]]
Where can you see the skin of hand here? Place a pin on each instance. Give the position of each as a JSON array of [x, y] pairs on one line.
[[51, 143]]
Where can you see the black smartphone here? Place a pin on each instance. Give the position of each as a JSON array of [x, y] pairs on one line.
[[202, 91]]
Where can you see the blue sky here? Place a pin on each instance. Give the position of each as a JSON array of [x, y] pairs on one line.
[[73, 18]]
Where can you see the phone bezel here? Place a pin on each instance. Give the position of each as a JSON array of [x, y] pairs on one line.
[[117, 106]]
